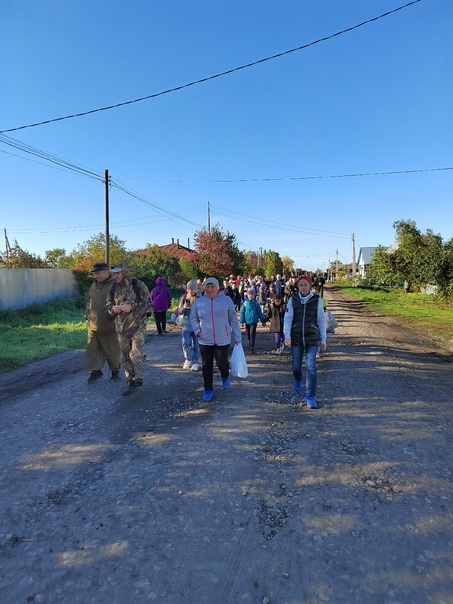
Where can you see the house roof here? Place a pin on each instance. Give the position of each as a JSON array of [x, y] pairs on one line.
[[175, 250], [367, 254]]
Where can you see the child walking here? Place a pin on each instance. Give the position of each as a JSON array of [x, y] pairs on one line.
[[275, 312], [190, 344], [250, 315]]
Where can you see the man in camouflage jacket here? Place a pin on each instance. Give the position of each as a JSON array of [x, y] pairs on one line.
[[129, 309]]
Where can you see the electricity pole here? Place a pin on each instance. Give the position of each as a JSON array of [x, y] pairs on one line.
[[209, 217], [354, 265], [107, 233]]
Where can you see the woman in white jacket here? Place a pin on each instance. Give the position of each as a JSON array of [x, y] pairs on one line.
[[213, 319]]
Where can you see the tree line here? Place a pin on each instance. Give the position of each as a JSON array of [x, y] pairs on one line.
[[415, 261], [214, 253]]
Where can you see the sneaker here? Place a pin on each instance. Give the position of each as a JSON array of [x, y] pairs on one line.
[[94, 375], [311, 402], [115, 376], [298, 386], [186, 365], [277, 351], [194, 367], [208, 394], [226, 383]]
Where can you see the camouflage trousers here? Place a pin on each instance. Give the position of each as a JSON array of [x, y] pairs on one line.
[[102, 346], [133, 354]]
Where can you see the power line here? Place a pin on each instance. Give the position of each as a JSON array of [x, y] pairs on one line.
[[85, 172], [289, 178], [155, 206], [63, 163], [217, 75], [278, 225]]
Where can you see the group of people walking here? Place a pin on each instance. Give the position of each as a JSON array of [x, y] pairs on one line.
[[119, 304], [117, 313]]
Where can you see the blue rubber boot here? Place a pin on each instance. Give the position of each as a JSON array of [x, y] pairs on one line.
[[311, 402], [226, 382], [208, 394], [298, 387]]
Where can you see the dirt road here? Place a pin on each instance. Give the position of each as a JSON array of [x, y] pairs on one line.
[[250, 498]]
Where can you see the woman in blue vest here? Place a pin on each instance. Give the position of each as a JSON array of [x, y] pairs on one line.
[[305, 330]]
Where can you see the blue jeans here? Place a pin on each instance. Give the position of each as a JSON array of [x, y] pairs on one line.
[[310, 366], [279, 339], [188, 338]]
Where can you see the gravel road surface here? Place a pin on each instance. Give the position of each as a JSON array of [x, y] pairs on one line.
[[251, 498]]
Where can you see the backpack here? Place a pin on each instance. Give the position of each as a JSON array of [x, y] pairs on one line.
[[136, 288]]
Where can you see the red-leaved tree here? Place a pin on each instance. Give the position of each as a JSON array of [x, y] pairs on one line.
[[216, 253]]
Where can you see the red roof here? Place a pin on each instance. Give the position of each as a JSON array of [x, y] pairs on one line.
[[175, 250]]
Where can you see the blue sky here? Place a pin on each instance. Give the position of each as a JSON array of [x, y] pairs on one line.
[[376, 99]]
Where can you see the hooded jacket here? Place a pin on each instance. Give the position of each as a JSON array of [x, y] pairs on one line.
[[214, 319], [160, 296], [251, 312]]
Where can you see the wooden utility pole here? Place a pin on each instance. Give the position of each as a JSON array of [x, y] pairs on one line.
[[107, 231], [7, 246], [209, 217], [354, 265]]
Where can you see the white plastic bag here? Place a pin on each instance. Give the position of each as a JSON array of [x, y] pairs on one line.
[[238, 364], [331, 322]]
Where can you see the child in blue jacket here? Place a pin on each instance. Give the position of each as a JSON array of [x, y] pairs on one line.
[[251, 313]]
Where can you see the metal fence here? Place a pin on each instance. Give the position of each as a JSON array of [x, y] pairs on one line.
[[20, 287]]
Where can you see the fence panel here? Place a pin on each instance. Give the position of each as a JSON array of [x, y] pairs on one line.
[[20, 287]]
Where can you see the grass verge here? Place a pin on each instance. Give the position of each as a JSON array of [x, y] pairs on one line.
[[41, 330], [421, 311]]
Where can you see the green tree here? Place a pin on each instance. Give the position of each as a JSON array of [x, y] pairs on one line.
[[288, 265], [155, 263], [57, 258], [86, 254], [188, 270], [444, 273], [250, 264], [19, 258], [417, 255], [271, 263], [382, 268]]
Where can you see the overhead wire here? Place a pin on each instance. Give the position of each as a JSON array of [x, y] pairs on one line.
[[155, 206], [277, 225], [290, 178], [70, 166], [217, 75]]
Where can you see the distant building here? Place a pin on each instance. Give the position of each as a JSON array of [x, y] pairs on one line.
[[364, 260], [175, 250]]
